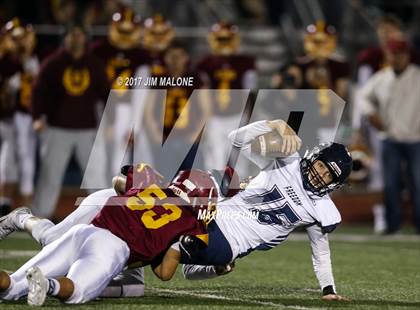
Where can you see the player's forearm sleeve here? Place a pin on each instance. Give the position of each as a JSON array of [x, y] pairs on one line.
[[243, 136], [198, 272], [321, 259]]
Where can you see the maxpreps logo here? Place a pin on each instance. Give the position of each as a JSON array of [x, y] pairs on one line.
[[207, 215]]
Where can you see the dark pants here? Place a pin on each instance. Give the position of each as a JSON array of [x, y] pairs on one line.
[[218, 251], [393, 155]]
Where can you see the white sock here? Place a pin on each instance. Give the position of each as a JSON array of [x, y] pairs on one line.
[[40, 231], [21, 219]]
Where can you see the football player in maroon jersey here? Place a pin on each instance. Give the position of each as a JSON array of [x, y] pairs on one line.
[[20, 85], [224, 69], [158, 35], [137, 227], [180, 115], [123, 57], [321, 68], [10, 64]]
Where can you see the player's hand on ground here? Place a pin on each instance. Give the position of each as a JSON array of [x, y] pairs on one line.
[[334, 297], [291, 143]]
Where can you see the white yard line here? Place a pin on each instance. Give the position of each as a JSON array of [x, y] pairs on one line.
[[7, 254], [213, 296]]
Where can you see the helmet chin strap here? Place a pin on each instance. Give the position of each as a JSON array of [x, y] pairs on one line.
[[209, 198]]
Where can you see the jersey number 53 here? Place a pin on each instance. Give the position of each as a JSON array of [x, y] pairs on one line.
[[145, 201]]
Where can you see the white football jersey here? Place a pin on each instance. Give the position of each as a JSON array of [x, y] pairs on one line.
[[270, 208], [273, 205]]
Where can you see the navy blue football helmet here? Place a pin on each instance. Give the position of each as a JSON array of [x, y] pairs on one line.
[[338, 160]]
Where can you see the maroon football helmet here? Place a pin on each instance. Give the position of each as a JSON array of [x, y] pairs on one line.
[[227, 181], [195, 187]]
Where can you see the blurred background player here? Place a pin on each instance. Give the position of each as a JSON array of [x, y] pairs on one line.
[[181, 114], [158, 36], [323, 69], [21, 87], [121, 55], [9, 65], [69, 86], [224, 69]]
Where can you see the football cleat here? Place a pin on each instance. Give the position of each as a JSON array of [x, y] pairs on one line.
[[37, 285], [8, 223]]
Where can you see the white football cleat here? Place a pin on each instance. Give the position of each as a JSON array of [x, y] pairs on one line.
[[37, 285], [8, 223]]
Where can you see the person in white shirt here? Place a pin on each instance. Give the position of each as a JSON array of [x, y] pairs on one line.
[[392, 105], [288, 192]]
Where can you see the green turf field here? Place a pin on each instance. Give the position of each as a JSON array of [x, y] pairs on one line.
[[376, 273]]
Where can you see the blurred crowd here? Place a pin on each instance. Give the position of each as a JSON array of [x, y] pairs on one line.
[[52, 97]]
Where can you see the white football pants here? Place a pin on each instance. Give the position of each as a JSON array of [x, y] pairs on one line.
[[90, 256], [8, 165], [130, 282]]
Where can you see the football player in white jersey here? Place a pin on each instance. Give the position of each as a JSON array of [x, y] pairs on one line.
[[288, 192]]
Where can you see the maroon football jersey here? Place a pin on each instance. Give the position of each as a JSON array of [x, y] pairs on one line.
[[119, 63], [225, 73], [24, 94], [334, 69], [8, 67], [149, 222], [157, 64], [176, 99], [66, 90]]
